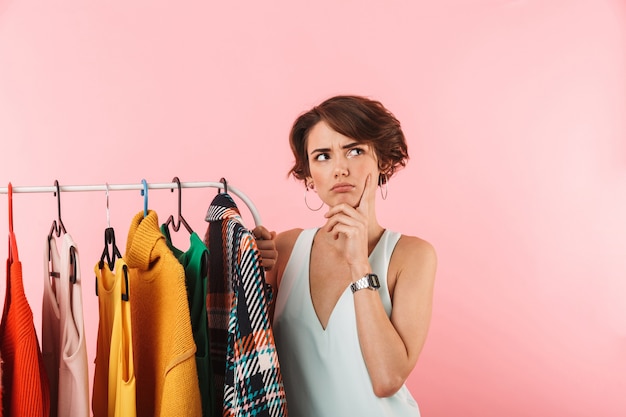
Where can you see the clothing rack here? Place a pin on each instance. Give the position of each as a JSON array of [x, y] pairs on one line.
[[140, 186]]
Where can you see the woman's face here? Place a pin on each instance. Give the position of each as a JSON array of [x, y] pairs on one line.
[[339, 166]]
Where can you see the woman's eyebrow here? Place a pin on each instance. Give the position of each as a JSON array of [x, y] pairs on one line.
[[351, 145], [325, 150], [320, 150]]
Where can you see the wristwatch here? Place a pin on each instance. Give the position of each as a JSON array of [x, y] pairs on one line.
[[368, 281]]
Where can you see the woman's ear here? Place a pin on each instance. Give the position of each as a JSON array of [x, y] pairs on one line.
[[383, 173]]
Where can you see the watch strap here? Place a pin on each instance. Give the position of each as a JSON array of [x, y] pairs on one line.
[[367, 281]]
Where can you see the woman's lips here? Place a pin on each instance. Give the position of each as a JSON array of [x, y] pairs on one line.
[[342, 188]]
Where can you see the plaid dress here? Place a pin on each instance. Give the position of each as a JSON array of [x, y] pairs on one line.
[[243, 352]]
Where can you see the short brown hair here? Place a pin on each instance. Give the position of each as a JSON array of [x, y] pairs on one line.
[[359, 118]]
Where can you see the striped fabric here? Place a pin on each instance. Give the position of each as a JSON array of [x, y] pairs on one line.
[[243, 352]]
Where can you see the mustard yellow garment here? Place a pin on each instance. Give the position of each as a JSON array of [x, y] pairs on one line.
[[114, 390], [163, 345]]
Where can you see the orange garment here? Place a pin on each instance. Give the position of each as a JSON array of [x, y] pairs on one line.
[[24, 380]]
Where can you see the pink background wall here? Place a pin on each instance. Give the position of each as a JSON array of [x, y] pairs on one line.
[[515, 117]]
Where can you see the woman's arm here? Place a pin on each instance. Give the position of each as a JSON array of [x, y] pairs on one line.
[[391, 346]]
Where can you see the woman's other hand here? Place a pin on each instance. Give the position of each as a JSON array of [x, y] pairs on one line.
[[266, 243]]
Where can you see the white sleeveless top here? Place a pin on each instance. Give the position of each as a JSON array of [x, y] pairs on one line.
[[64, 346], [323, 370]]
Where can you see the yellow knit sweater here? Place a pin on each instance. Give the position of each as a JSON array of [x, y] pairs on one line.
[[163, 345]]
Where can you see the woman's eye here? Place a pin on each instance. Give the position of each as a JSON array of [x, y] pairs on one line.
[[321, 157], [355, 152]]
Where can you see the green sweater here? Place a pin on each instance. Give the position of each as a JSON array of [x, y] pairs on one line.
[[195, 261]]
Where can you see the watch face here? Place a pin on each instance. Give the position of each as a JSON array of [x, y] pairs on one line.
[[373, 279]]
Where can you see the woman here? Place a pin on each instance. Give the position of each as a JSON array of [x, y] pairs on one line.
[[353, 300]]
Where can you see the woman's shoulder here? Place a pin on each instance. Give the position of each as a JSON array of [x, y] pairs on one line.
[[414, 252], [412, 268], [287, 238], [415, 245]]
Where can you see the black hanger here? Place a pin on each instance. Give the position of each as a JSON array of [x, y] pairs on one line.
[[74, 270], [109, 243], [111, 252], [170, 221], [125, 295], [57, 228], [223, 181]]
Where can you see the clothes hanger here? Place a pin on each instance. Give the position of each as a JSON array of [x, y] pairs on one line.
[[125, 294], [10, 192], [111, 251], [12, 246], [170, 221], [225, 184], [144, 193], [204, 267], [57, 225], [57, 229], [74, 273]]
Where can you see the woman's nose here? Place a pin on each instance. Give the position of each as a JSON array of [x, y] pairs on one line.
[[341, 168]]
